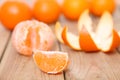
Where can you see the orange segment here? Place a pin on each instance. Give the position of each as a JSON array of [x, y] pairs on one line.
[[30, 35], [70, 39], [58, 32], [51, 62], [86, 42]]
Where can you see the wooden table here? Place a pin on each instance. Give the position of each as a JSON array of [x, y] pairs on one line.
[[82, 66]]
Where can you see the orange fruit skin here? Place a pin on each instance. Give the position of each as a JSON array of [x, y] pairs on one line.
[[64, 36], [13, 12], [51, 62], [32, 35], [73, 8], [115, 42], [47, 11], [86, 42], [99, 6], [72, 42]]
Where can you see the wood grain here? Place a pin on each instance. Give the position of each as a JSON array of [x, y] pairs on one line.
[[4, 37], [92, 66], [18, 67], [82, 65]]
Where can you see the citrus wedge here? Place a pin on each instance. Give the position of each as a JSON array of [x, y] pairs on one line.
[[58, 32], [51, 62], [70, 39]]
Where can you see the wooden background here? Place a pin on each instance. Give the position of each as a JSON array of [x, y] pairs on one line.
[[82, 66]]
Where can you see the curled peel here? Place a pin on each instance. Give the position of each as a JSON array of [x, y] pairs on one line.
[[86, 38], [70, 39], [104, 37], [58, 32]]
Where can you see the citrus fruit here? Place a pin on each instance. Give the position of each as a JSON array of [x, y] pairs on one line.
[[99, 6], [73, 8], [47, 11], [30, 35], [13, 12], [51, 62]]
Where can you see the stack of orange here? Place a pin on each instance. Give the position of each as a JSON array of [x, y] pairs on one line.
[[104, 37]]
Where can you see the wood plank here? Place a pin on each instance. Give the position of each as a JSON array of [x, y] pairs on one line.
[[4, 37], [92, 66], [18, 67]]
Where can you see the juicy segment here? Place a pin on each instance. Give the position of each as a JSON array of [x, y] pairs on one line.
[[33, 39], [51, 62]]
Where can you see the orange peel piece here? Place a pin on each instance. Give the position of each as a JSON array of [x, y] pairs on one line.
[[58, 32], [70, 39], [86, 38]]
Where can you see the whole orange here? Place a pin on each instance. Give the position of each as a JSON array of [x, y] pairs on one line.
[[99, 6], [47, 11], [73, 8], [13, 12]]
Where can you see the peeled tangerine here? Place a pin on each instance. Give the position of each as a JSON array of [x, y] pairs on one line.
[[51, 62], [103, 38], [31, 35]]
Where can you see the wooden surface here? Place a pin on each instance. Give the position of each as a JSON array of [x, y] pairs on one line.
[[82, 66]]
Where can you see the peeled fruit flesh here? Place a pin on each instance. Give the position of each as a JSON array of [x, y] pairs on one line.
[[51, 62], [31, 35]]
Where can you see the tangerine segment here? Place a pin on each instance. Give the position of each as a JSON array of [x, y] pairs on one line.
[[30, 35], [70, 39], [86, 42], [58, 32], [51, 62]]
